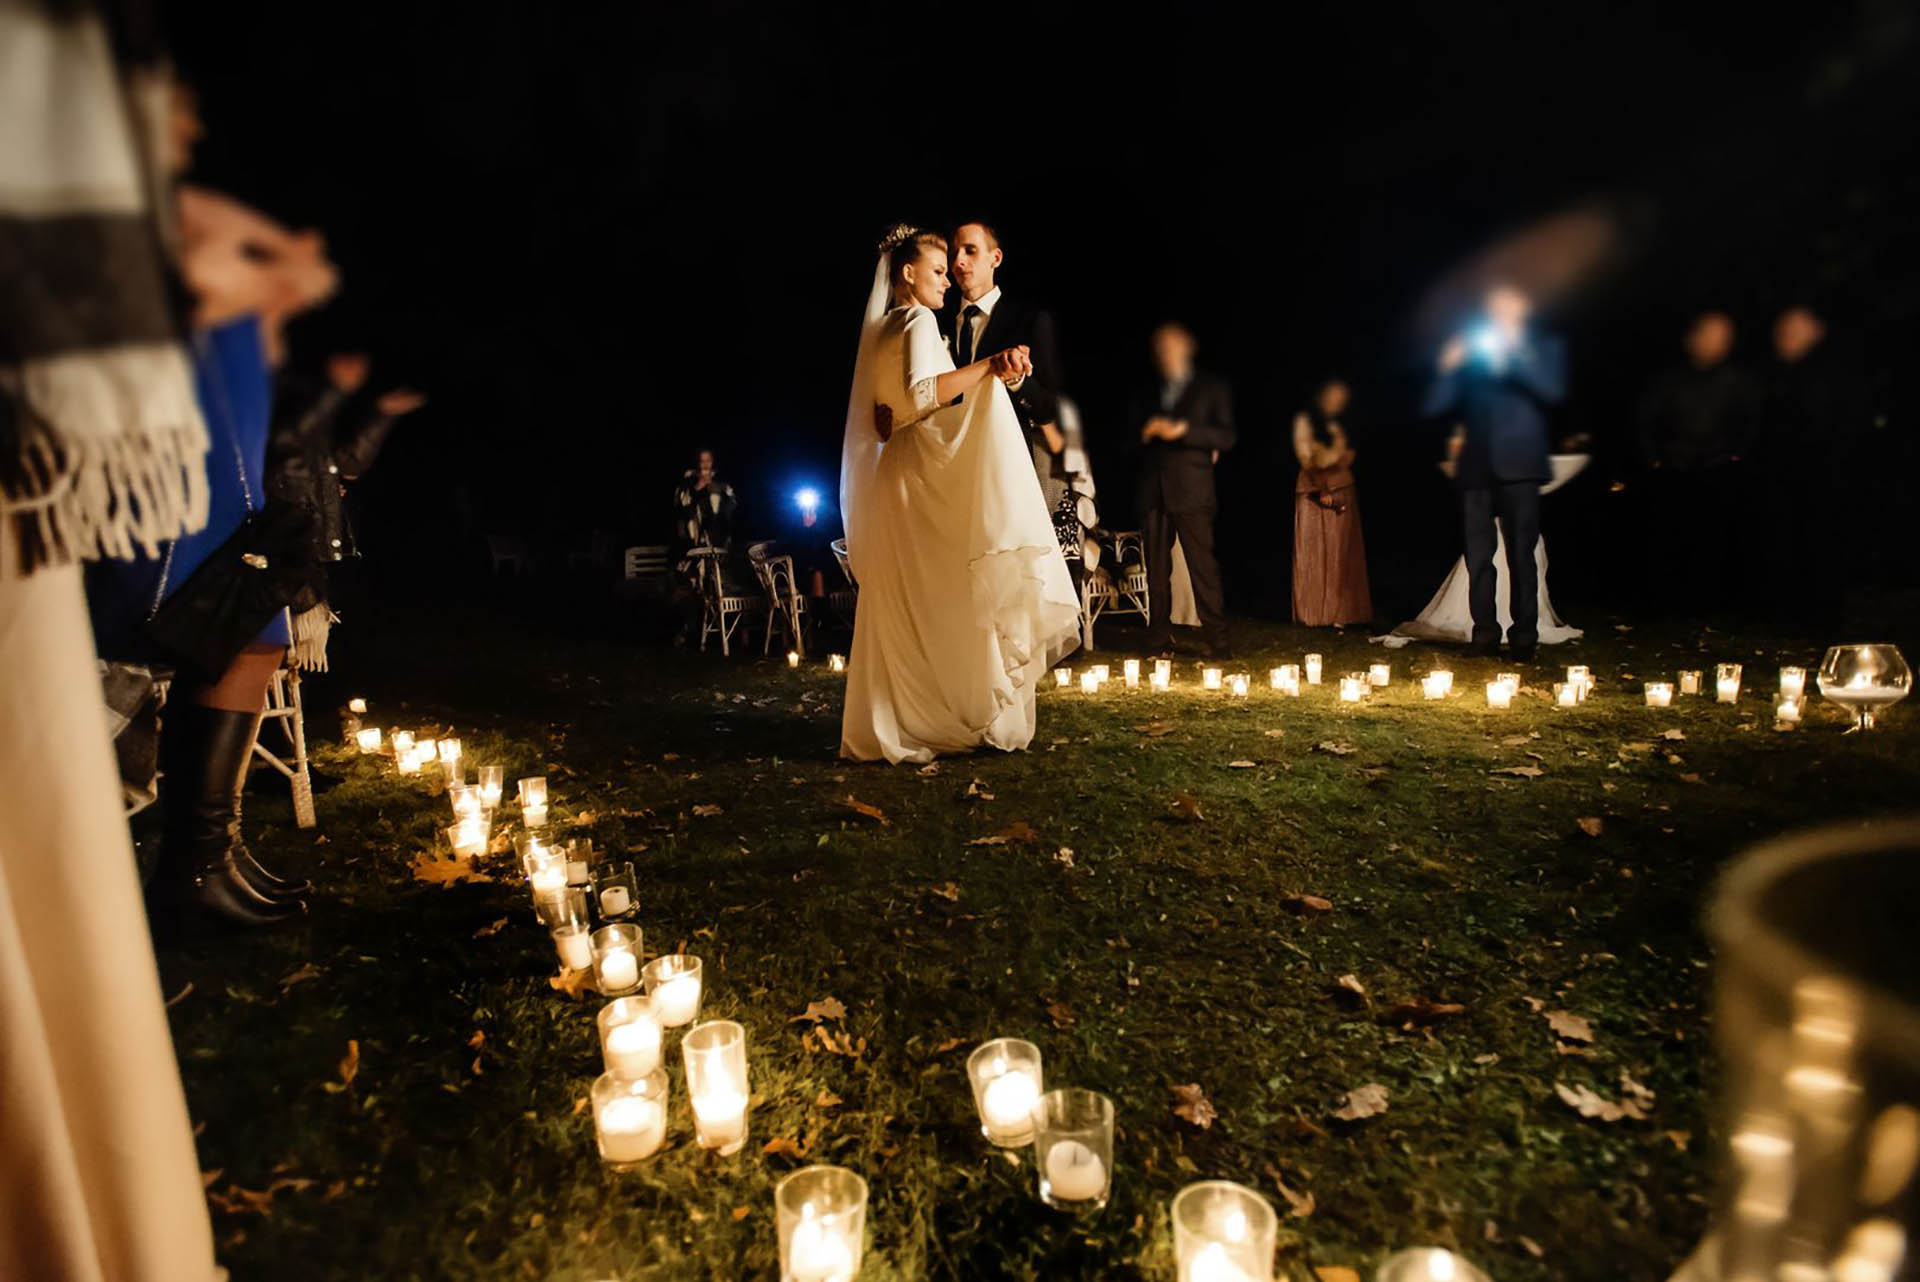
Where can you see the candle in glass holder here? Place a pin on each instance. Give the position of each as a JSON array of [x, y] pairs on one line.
[[449, 751], [1787, 711], [1659, 694], [1690, 681], [402, 743], [490, 780], [357, 706], [793, 658], [1499, 694], [468, 837], [533, 792], [630, 1036], [406, 763], [1089, 684], [1073, 1148], [573, 941], [1726, 680], [1379, 674], [1353, 687], [629, 1116], [1160, 680], [1313, 669], [1437, 684], [1566, 694], [427, 750], [716, 1058], [1006, 1077], [1223, 1232], [675, 982], [1130, 673], [368, 739], [616, 958], [820, 1214], [1101, 673], [616, 889], [1580, 677], [1428, 1264], [1063, 677], [1163, 668], [1238, 684], [836, 663], [1793, 683], [1210, 678]]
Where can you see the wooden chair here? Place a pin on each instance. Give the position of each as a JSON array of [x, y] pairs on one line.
[[285, 709], [1116, 587], [786, 607], [722, 605]]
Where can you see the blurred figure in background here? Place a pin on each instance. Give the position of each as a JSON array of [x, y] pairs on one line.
[[1185, 422], [704, 505], [1501, 378], [1696, 427], [1329, 555]]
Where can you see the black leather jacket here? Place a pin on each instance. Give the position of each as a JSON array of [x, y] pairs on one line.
[[310, 456]]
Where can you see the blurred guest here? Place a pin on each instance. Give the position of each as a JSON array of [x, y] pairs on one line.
[[1501, 377], [1329, 556], [316, 446], [704, 505], [985, 321], [102, 453], [1696, 427], [1186, 423]]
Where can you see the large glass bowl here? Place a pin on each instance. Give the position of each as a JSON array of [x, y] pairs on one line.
[[1864, 679]]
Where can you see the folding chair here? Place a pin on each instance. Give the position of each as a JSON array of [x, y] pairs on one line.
[[285, 708]]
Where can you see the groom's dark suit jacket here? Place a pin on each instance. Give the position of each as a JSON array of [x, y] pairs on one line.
[[1012, 323], [1177, 476]]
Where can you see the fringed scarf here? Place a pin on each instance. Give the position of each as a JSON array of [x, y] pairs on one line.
[[101, 441]]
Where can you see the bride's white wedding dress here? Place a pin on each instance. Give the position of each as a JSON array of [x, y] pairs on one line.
[[965, 600]]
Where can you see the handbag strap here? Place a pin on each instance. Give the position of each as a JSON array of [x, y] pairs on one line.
[[229, 420]]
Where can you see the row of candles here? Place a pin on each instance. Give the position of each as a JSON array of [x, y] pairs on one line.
[[1223, 1231]]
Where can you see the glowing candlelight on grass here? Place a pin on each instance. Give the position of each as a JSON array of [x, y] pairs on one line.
[[1101, 673], [402, 743], [1428, 1264], [466, 802], [793, 658], [468, 837], [1787, 711], [449, 751], [1499, 694], [1210, 678], [357, 706], [1437, 684], [1223, 1232], [1006, 1077], [1580, 677], [1286, 679], [1566, 694], [1313, 669], [820, 1214], [406, 763], [1237, 685], [1727, 682], [1073, 1147], [491, 781], [616, 958], [630, 1036], [1130, 673], [716, 1057], [368, 739], [836, 663], [1089, 684], [629, 1116], [1379, 674], [1163, 674], [1354, 687], [1793, 682], [1659, 694], [1690, 680], [675, 984], [1063, 677]]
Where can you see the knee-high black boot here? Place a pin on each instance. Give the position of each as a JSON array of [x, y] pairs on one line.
[[230, 754], [203, 751]]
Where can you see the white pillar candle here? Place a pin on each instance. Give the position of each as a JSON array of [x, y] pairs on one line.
[[618, 970], [1210, 678], [1793, 682], [574, 946], [1379, 674], [1075, 1172], [1130, 672], [1499, 694], [819, 1252], [1690, 681], [721, 1116], [1063, 677], [614, 901], [632, 1049], [1313, 669], [1659, 694], [368, 739]]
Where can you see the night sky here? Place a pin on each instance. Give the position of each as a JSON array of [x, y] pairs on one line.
[[600, 237]]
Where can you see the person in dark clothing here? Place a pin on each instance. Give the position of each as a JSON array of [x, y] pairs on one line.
[[984, 321], [1185, 423], [1696, 427], [1500, 378]]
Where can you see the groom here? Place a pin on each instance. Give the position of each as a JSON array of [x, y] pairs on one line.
[[986, 321]]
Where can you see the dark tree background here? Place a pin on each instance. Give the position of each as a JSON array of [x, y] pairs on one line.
[[602, 234]]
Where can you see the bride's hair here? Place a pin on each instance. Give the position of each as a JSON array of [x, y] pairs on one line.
[[906, 243]]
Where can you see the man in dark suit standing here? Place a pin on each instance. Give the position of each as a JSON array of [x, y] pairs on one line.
[[1500, 378], [986, 321], [1185, 422]]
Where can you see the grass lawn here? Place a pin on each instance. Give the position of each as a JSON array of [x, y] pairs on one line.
[[1254, 898]]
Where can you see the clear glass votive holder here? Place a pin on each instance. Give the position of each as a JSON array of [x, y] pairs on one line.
[[1313, 664], [1690, 680], [465, 800], [629, 1116], [1354, 687], [1073, 1148], [367, 739], [1223, 1232], [1130, 673], [1379, 674], [1211, 679], [1007, 1079], [533, 792], [1659, 694], [820, 1214], [616, 958], [580, 861], [1428, 1264], [1101, 673], [1063, 677], [562, 906], [573, 941], [402, 741], [1793, 683], [469, 837], [1162, 674], [676, 984], [1499, 694], [630, 1036], [1726, 682], [490, 780], [716, 1058], [616, 892], [1239, 684], [1089, 682], [1565, 694]]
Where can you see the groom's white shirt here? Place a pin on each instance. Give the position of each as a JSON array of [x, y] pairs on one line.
[[985, 303]]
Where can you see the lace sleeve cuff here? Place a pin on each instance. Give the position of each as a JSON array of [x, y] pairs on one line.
[[924, 396]]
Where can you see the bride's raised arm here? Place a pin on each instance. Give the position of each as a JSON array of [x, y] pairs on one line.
[[932, 381]]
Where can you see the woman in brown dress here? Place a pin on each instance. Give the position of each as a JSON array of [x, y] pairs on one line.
[[1329, 558]]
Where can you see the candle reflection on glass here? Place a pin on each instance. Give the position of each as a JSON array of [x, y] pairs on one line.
[[1727, 682]]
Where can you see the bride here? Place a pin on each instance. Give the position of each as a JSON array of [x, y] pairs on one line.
[[965, 600]]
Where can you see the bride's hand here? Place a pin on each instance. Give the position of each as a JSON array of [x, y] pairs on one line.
[[883, 421]]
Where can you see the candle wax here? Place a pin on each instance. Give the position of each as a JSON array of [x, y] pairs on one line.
[[818, 1253], [631, 1128], [633, 1049], [722, 1116], [1006, 1103], [677, 1000], [618, 971], [1075, 1172], [576, 950], [615, 900], [1213, 1264]]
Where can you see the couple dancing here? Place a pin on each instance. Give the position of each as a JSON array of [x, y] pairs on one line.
[[965, 598]]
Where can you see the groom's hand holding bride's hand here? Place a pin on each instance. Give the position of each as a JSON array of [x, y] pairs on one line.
[[1013, 365]]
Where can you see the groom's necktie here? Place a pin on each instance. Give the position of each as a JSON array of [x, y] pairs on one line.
[[965, 348]]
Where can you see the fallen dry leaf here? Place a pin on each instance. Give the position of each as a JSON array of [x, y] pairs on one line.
[[742, 1212], [436, 871], [1351, 984], [1299, 1203], [1592, 825], [1690, 777], [826, 1099], [1274, 734], [491, 928], [1308, 903], [1421, 1013], [781, 1144], [1335, 749], [1586, 1102], [574, 983], [1363, 1102], [1061, 1014], [1241, 765], [825, 1008], [949, 891], [706, 811], [1569, 1027], [301, 976], [1675, 735], [1187, 806], [860, 807], [1191, 1104], [1523, 772], [1064, 855], [978, 788], [1335, 1273]]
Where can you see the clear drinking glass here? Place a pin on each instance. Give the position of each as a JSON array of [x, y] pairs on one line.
[[820, 1213], [1864, 679], [1073, 1148], [1223, 1232]]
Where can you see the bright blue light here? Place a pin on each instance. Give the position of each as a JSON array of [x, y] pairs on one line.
[[1488, 343], [808, 500]]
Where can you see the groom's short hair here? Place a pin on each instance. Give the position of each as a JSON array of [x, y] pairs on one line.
[[993, 236]]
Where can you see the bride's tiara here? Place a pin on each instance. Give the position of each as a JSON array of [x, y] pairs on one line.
[[900, 234]]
